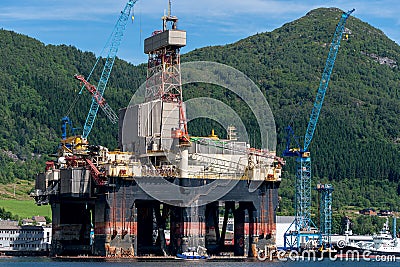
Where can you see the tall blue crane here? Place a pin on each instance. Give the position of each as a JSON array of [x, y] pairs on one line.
[[303, 220], [117, 35]]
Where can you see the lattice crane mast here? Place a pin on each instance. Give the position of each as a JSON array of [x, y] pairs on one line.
[[117, 35], [303, 220], [325, 208]]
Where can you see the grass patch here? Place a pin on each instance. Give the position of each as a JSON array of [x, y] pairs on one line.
[[25, 208], [19, 190]]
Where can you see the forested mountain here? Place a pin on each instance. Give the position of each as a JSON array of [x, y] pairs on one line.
[[37, 89], [355, 146]]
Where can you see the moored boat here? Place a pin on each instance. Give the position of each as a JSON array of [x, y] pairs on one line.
[[193, 254], [383, 242]]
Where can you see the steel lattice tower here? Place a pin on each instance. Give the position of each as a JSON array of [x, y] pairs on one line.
[[303, 194], [163, 67], [325, 209]]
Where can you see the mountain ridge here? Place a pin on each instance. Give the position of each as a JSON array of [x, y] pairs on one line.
[[358, 123]]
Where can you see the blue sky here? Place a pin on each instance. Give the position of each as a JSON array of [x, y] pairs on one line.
[[87, 24]]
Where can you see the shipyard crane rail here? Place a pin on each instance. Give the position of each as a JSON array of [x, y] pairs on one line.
[[303, 220], [98, 98], [117, 35]]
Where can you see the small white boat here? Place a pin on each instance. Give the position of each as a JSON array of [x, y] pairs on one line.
[[193, 254]]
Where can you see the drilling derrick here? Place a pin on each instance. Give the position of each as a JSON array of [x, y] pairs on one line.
[[163, 80], [163, 67]]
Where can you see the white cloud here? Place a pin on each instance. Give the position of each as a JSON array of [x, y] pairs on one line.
[[233, 19], [58, 10], [215, 9], [224, 8]]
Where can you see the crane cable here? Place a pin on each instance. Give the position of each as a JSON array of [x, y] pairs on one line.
[[296, 112], [90, 74]]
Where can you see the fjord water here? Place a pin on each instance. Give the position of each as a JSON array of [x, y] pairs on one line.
[[46, 262]]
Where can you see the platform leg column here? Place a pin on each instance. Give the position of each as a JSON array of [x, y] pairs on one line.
[[239, 241], [212, 228], [253, 238], [177, 230]]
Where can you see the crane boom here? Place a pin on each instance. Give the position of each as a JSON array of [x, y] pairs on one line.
[[98, 98], [117, 35], [326, 75]]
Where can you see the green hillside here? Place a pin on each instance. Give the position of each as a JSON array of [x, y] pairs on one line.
[[37, 89], [355, 146]]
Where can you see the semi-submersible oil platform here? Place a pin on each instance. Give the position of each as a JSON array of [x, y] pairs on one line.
[[162, 181]]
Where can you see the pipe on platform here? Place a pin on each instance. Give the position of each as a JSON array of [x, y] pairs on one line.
[[184, 163]]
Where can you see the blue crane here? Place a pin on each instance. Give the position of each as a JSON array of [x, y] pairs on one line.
[[325, 207], [64, 122], [117, 35], [303, 220]]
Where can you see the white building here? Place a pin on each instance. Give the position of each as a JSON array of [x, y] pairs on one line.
[[24, 240], [282, 225]]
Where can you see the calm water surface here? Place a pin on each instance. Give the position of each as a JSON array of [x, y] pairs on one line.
[[45, 262]]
